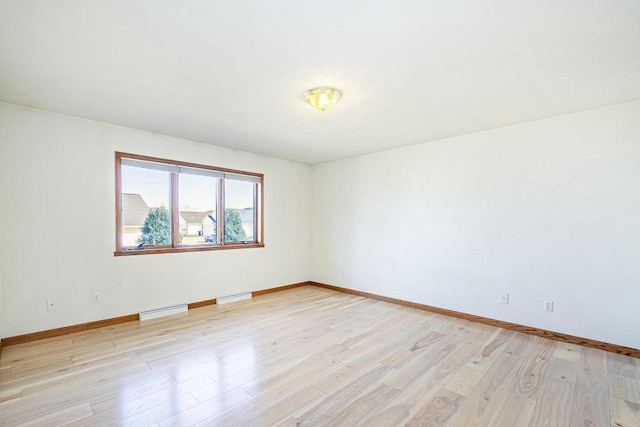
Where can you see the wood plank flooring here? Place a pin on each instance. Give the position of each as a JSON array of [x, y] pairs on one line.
[[314, 357]]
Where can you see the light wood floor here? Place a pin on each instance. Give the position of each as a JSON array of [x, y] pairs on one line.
[[314, 357]]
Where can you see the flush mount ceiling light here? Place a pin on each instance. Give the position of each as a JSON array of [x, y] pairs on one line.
[[322, 98]]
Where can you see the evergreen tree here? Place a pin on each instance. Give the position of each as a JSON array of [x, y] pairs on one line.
[[157, 228], [233, 231]]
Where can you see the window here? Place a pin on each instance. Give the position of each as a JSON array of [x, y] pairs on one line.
[[169, 206]]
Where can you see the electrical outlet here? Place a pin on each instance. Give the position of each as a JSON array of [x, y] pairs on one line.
[[548, 305], [96, 298], [504, 298], [51, 304]]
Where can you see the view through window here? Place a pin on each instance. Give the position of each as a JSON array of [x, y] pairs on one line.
[[165, 205]]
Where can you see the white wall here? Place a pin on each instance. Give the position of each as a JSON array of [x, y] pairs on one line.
[[548, 209], [59, 225]]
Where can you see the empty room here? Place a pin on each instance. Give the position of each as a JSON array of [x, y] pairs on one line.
[[337, 213]]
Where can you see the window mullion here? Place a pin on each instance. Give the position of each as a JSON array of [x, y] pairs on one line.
[[255, 212], [175, 211], [221, 211], [119, 213], [260, 209]]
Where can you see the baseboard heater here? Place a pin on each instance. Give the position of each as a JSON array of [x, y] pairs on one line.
[[232, 298], [162, 311]]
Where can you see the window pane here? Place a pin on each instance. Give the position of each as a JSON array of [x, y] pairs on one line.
[[197, 200], [145, 207], [239, 215]]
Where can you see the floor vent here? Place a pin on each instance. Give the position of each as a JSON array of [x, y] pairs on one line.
[[233, 298], [163, 311]]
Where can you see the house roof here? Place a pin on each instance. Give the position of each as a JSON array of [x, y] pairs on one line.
[[193, 217], [134, 210]]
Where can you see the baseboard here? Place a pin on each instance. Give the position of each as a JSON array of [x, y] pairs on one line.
[[614, 348], [204, 303], [280, 288], [50, 333]]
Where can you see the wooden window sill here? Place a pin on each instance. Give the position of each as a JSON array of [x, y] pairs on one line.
[[181, 249]]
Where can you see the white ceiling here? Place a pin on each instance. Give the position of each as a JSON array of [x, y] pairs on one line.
[[233, 73]]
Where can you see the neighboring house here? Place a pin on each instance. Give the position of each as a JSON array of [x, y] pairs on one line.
[[197, 223], [192, 223], [134, 213]]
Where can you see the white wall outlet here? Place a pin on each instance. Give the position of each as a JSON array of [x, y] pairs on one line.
[[548, 305], [96, 298], [51, 304], [504, 298]]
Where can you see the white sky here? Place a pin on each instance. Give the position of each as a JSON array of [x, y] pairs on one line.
[[197, 193]]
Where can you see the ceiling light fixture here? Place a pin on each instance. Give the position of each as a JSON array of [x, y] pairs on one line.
[[322, 98]]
